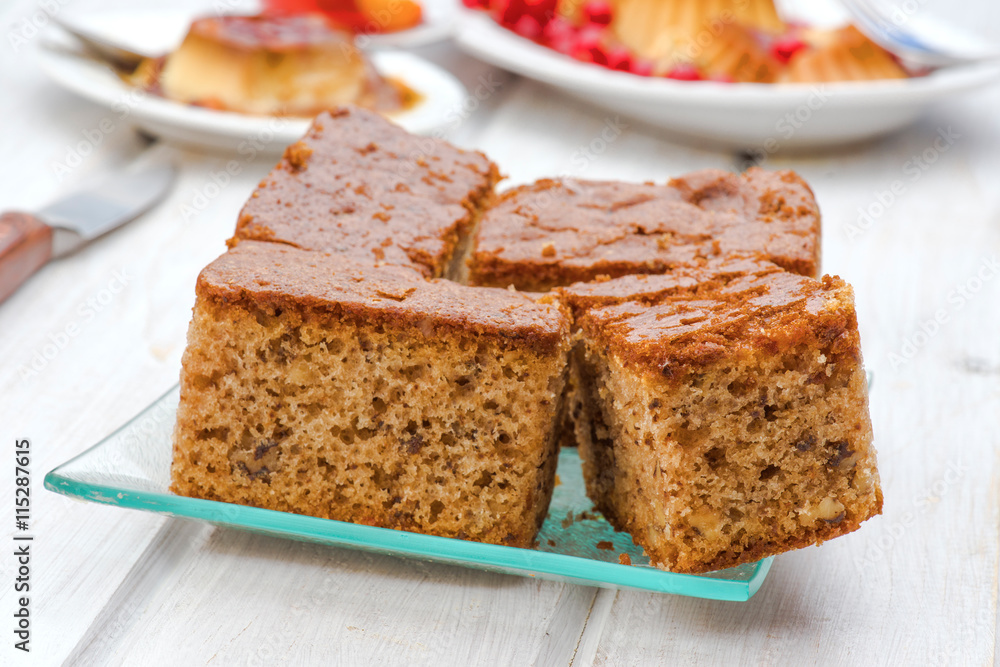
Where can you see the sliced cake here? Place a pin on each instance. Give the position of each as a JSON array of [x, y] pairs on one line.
[[359, 185], [724, 414], [557, 232], [320, 385]]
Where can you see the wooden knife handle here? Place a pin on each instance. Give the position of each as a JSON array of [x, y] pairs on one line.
[[25, 246]]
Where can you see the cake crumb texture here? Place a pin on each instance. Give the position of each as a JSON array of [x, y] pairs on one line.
[[294, 407], [722, 427]]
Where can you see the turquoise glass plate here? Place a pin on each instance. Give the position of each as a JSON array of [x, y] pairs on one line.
[[131, 468]]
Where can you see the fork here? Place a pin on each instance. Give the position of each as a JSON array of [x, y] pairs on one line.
[[103, 49], [916, 38]]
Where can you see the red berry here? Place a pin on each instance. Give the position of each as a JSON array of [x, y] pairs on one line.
[[589, 38], [558, 29], [684, 72], [587, 46], [784, 48], [508, 12], [563, 45], [597, 12], [526, 26], [620, 58], [642, 67], [476, 4]]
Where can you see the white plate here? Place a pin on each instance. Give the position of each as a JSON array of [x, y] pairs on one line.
[[441, 94], [158, 31], [758, 117], [438, 24]]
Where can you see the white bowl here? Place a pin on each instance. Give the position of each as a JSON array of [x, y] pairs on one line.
[[746, 116]]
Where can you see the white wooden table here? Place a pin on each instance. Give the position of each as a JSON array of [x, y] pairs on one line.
[[916, 586]]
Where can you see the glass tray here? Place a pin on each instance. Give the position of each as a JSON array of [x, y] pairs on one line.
[[131, 468]]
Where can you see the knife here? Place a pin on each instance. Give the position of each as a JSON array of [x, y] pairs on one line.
[[28, 241]]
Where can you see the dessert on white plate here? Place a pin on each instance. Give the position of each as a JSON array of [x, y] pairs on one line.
[[717, 95], [436, 91]]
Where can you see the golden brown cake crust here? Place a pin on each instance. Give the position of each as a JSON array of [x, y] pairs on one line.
[[328, 287], [359, 185], [681, 333], [723, 417], [326, 374], [555, 233], [699, 276]]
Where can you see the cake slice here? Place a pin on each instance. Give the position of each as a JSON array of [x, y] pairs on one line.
[[845, 54], [320, 385], [670, 29], [359, 185], [735, 53], [558, 232], [724, 413]]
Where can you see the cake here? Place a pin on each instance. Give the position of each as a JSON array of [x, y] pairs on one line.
[[336, 366], [723, 41], [667, 29], [317, 384], [733, 54], [723, 412], [359, 185], [557, 232], [840, 55], [269, 65]]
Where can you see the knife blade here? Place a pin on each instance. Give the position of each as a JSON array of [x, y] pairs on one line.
[[28, 241]]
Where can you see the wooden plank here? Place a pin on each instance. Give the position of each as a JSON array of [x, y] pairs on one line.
[[241, 598]]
